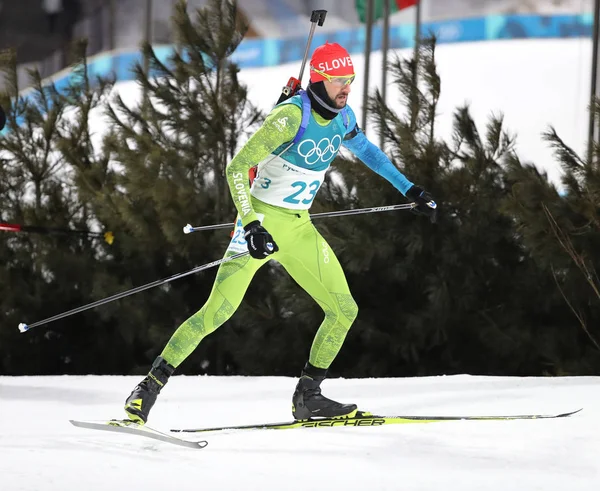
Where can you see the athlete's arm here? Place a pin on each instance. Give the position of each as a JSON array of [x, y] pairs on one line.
[[373, 157], [280, 126]]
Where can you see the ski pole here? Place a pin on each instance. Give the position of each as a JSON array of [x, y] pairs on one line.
[[15, 227], [188, 229], [26, 327], [317, 17], [2, 118]]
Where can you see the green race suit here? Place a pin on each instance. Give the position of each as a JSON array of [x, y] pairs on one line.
[[289, 175]]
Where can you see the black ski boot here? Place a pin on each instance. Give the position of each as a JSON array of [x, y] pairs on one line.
[[308, 402], [143, 397]]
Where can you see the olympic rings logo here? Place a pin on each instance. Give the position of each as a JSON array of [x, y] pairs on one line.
[[323, 151]]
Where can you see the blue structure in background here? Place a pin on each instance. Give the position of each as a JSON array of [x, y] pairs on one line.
[[254, 53]]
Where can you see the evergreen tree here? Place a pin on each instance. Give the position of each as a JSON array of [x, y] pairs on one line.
[[562, 233], [505, 283], [464, 295], [44, 274], [172, 147]]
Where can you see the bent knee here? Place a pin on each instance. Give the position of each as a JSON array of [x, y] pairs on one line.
[[348, 309]]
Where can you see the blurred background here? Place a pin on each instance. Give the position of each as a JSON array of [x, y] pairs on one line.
[[497, 55], [488, 290], [41, 30]]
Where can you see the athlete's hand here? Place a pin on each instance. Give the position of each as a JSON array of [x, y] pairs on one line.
[[260, 242], [426, 205]]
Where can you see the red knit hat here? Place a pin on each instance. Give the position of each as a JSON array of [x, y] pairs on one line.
[[331, 59]]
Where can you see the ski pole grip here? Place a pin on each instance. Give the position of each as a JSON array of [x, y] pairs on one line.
[[318, 16]]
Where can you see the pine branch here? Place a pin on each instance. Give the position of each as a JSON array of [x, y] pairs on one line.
[[577, 314], [566, 156], [565, 242]]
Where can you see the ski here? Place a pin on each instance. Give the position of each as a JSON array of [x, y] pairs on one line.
[[133, 428], [363, 418]]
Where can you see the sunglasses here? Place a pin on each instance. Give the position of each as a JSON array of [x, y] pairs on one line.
[[340, 80]]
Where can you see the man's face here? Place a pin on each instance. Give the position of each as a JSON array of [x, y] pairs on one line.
[[337, 91]]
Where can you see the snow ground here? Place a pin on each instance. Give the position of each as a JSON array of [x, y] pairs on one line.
[[40, 450]]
